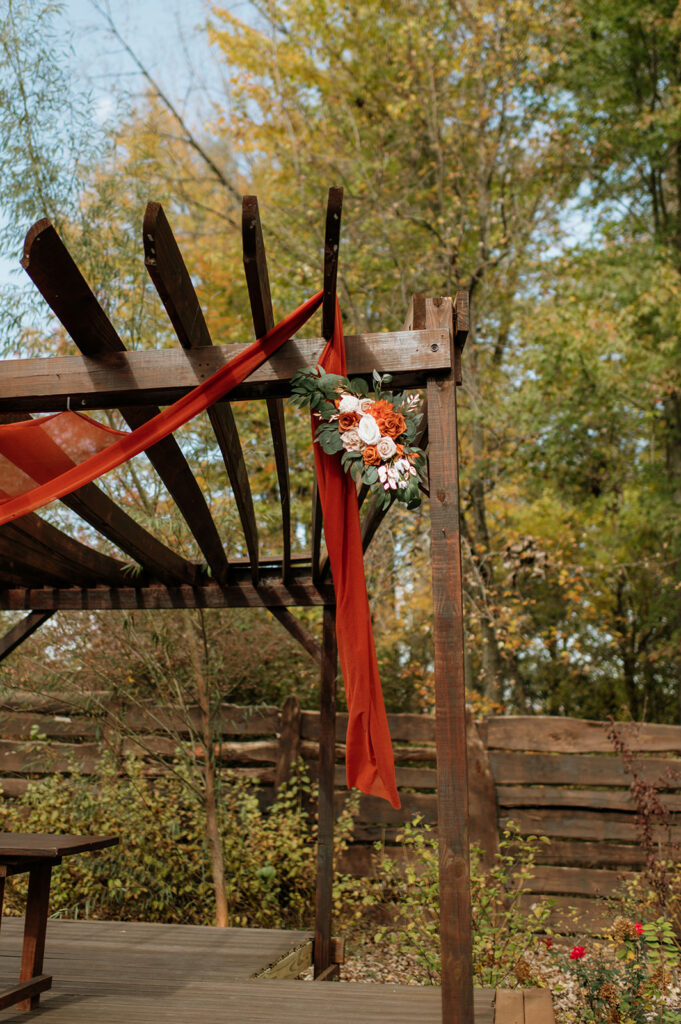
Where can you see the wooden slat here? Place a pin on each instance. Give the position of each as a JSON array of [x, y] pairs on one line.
[[53, 271], [257, 280], [101, 512], [334, 211], [450, 696], [237, 595], [411, 728], [578, 736], [154, 377], [576, 881], [316, 530], [167, 270], [509, 1007], [29, 844], [23, 560], [565, 824], [21, 631], [580, 770], [591, 854], [564, 796], [88, 563], [538, 1006], [574, 915], [27, 990]]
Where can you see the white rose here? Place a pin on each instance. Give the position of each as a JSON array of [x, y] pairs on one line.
[[368, 430], [386, 448], [365, 404], [348, 403], [351, 440]]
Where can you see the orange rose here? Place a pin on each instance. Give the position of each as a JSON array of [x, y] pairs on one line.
[[381, 408], [371, 456], [346, 420], [393, 425]]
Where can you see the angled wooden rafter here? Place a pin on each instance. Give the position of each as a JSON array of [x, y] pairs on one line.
[[60, 282], [23, 629], [166, 267]]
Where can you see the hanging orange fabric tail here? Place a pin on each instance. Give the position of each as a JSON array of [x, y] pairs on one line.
[[369, 760]]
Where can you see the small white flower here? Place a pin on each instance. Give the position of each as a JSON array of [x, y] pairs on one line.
[[382, 474], [352, 442], [365, 404], [368, 430], [348, 403], [386, 447]]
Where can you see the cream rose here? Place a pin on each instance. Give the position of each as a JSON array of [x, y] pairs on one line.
[[348, 403], [386, 447], [368, 430], [352, 442], [365, 404]]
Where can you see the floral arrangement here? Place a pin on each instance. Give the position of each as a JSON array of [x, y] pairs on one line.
[[374, 432]]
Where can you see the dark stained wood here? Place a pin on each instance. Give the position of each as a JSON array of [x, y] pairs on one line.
[[297, 630], [327, 734], [289, 739], [35, 926], [334, 210], [577, 881], [17, 634], [592, 854], [257, 280], [52, 269], [450, 696], [167, 270], [14, 844], [110, 971], [23, 995], [56, 546], [578, 736], [564, 796], [579, 770], [461, 328], [410, 728], [318, 563], [602, 826], [155, 377], [237, 595], [161, 562]]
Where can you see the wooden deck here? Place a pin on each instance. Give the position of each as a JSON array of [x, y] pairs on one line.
[[119, 973]]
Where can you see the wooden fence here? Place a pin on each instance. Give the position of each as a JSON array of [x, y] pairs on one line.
[[558, 777]]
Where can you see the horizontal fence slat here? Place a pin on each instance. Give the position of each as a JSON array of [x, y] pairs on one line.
[[577, 736], [559, 880], [591, 854], [404, 728], [609, 826], [573, 915], [580, 770]]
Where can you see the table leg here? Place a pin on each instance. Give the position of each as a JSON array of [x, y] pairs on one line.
[[35, 928]]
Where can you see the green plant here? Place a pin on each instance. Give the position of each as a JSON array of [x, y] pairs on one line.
[[161, 870], [407, 893], [625, 983]]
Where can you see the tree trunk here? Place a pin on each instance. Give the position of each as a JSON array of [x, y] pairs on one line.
[[213, 838]]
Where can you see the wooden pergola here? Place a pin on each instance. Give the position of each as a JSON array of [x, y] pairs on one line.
[[43, 570]]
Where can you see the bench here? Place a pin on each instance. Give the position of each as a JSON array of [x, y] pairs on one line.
[[37, 854]]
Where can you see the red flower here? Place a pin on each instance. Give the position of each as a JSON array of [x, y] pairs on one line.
[[577, 952], [548, 941], [639, 928]]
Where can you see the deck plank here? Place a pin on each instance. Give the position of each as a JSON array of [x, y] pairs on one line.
[[123, 973]]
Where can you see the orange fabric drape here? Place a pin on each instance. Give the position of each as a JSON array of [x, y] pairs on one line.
[[369, 763], [65, 480], [54, 452]]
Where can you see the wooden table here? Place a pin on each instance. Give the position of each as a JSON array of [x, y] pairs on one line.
[[37, 854]]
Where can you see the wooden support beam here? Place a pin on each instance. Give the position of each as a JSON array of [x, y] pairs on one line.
[[258, 282], [334, 210], [55, 274], [327, 760], [167, 269], [316, 528], [295, 627], [273, 593], [161, 376], [450, 709], [17, 634]]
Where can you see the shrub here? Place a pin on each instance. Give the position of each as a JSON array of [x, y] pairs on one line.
[[161, 869]]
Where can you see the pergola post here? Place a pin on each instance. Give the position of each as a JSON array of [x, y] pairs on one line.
[[450, 696], [327, 764]]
